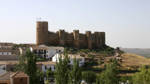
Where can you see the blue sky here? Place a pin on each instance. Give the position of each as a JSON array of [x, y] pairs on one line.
[[126, 22]]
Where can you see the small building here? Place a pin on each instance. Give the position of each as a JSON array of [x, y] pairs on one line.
[[80, 59], [7, 66], [8, 57], [45, 51], [6, 45], [7, 49], [7, 52], [14, 78], [47, 66]]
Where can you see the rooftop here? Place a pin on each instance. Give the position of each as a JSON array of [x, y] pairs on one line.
[[47, 47], [19, 74], [6, 76], [77, 56], [16, 62]]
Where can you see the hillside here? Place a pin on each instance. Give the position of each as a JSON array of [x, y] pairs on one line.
[[133, 60], [129, 61], [96, 60], [139, 51]]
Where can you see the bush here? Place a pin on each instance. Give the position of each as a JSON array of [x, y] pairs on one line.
[[84, 50], [124, 79], [142, 77], [89, 76], [109, 75]]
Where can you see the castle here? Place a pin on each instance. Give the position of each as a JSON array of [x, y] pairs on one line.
[[75, 39]]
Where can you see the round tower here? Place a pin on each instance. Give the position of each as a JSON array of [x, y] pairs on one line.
[[41, 32], [61, 37], [103, 38], [89, 39]]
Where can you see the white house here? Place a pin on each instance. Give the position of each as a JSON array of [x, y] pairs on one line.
[[47, 66], [45, 51], [80, 59], [6, 48], [7, 53]]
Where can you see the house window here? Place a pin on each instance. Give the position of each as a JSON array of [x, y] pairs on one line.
[[5, 53], [44, 51], [9, 53], [44, 56]]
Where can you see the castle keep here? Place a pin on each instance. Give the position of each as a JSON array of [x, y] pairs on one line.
[[75, 39]]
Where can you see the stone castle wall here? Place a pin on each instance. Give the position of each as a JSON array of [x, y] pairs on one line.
[[75, 39]]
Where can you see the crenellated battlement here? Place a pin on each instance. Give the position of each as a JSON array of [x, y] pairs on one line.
[[74, 39]]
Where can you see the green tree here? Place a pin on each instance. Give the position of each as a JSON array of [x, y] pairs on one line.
[[40, 77], [89, 76], [126, 79], [109, 75], [62, 70], [49, 75], [31, 68], [22, 65], [27, 64], [142, 77], [75, 74]]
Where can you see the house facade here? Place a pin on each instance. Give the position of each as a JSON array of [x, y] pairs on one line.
[[45, 51], [79, 58], [14, 78]]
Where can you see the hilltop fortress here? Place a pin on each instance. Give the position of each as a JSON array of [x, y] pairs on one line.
[[74, 39]]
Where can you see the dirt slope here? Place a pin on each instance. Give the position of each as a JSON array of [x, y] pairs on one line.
[[133, 60]]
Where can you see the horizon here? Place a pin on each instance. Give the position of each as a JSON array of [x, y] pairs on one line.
[[126, 23]]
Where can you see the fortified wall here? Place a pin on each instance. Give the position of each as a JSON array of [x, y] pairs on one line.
[[74, 39]]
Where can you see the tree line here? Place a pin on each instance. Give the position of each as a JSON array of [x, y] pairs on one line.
[[73, 74]]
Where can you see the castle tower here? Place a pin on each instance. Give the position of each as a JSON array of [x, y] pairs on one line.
[[96, 39], [62, 37], [41, 32], [103, 38], [89, 39], [76, 38]]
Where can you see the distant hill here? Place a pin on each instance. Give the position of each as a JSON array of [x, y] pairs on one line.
[[134, 60], [138, 51]]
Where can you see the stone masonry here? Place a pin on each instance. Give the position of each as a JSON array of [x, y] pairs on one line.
[[74, 39]]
